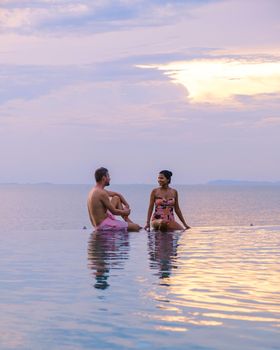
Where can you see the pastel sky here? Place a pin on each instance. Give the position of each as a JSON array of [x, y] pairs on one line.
[[139, 86]]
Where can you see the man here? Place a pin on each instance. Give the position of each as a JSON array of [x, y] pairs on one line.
[[101, 208]]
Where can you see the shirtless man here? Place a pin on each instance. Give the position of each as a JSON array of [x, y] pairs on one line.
[[101, 208]]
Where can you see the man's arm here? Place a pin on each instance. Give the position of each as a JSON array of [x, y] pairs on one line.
[[121, 197], [106, 201]]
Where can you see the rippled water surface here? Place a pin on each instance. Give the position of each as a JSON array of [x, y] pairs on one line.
[[207, 288]]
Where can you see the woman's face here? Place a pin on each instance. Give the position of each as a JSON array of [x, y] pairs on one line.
[[162, 180]]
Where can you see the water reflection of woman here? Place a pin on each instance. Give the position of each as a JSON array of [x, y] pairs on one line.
[[106, 250], [163, 251]]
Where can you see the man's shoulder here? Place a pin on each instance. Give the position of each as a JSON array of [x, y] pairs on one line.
[[95, 192], [99, 192]]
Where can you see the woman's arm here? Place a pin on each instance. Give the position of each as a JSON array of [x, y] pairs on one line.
[[150, 210], [178, 211]]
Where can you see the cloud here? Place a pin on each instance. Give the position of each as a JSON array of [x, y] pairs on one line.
[[102, 31], [269, 122], [221, 80], [108, 106], [29, 82], [121, 95], [91, 16], [26, 19], [72, 93]]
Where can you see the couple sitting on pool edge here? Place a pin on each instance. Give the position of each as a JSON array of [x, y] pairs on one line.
[[103, 205]]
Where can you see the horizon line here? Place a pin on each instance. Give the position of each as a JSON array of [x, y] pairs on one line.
[[210, 182]]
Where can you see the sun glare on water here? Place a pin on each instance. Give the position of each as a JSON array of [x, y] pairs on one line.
[[222, 80]]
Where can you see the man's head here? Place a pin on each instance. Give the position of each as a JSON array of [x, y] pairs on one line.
[[102, 176]]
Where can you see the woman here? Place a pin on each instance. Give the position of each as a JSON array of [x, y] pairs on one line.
[[164, 200]]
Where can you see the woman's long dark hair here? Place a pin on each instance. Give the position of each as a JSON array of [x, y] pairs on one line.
[[167, 174]]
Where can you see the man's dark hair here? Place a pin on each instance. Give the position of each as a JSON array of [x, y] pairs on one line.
[[99, 173]]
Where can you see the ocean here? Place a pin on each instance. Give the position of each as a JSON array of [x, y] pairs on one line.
[[43, 207], [213, 287]]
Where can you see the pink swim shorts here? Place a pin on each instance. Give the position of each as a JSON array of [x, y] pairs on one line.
[[112, 224]]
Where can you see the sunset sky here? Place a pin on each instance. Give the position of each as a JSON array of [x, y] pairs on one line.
[[139, 86]]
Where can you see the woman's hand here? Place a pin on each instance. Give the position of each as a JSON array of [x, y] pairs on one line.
[[147, 227]]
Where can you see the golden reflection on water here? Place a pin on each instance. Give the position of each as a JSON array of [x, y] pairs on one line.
[[171, 329], [218, 275], [240, 317], [183, 319]]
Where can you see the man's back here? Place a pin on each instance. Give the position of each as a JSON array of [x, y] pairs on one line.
[[97, 210]]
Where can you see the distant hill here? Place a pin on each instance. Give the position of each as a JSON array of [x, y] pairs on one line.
[[243, 183]]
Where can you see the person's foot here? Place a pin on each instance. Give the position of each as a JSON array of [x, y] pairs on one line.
[[133, 227]]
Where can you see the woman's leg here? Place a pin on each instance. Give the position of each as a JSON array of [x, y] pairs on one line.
[[160, 225], [155, 224], [174, 226]]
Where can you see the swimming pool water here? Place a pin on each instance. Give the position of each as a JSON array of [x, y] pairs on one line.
[[207, 288]]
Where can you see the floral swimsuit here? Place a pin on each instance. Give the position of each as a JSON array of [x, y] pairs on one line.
[[164, 209]]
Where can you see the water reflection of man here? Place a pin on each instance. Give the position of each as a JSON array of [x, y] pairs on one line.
[[106, 250], [163, 251]]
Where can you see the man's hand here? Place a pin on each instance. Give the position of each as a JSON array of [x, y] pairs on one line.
[[126, 212]]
